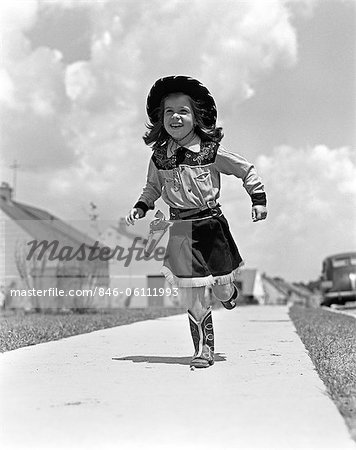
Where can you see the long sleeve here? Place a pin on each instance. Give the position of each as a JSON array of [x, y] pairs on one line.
[[233, 164], [152, 190]]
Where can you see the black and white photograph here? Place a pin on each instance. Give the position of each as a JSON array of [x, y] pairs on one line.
[[178, 224]]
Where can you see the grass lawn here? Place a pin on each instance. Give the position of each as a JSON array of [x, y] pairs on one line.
[[330, 339], [20, 330]]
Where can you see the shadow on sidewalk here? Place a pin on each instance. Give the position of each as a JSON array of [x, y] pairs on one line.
[[183, 360]]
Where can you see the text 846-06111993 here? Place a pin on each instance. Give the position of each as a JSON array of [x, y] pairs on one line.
[[138, 292]]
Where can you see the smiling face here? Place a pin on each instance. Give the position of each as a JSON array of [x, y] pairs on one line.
[[178, 117]]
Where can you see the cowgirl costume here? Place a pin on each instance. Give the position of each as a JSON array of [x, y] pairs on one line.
[[201, 250]]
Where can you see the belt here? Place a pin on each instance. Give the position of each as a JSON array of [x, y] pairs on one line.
[[211, 209]]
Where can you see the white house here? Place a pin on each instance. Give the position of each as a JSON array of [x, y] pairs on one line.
[[24, 227], [122, 277], [249, 282]]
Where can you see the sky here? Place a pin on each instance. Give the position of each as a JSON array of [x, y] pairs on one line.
[[74, 79]]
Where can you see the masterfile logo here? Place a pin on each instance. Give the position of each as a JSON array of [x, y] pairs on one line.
[[54, 251]]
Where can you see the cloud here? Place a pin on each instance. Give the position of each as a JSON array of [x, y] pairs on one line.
[[6, 88], [75, 126], [244, 40], [34, 110], [131, 46], [312, 180], [312, 210], [78, 125], [304, 8], [18, 15]]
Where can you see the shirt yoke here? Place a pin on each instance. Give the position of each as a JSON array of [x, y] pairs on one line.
[[184, 156]]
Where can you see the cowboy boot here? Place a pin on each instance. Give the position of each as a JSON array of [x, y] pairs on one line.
[[203, 339], [231, 303]]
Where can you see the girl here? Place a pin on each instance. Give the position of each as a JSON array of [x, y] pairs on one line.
[[185, 170]]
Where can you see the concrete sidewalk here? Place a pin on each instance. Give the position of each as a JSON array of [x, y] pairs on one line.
[[130, 387]]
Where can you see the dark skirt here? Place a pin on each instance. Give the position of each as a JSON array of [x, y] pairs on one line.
[[201, 253]]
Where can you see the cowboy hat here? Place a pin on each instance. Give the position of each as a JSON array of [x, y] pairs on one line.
[[186, 85]]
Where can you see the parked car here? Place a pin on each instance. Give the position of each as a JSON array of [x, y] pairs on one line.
[[338, 279]]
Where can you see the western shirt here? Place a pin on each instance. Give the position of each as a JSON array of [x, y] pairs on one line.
[[190, 177]]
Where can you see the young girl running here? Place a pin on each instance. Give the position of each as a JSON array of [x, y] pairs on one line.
[[185, 169]]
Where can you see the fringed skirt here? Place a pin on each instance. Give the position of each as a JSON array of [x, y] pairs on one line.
[[201, 253]]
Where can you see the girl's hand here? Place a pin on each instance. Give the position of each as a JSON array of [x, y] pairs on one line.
[[133, 215], [259, 212]]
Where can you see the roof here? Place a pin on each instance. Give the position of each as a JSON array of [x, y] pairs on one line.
[[277, 283], [341, 255], [287, 288], [42, 225]]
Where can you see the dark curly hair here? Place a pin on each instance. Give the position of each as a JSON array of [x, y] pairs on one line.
[[157, 134]]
